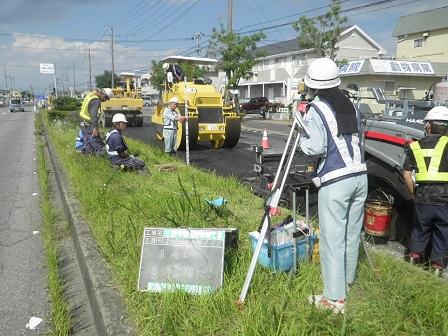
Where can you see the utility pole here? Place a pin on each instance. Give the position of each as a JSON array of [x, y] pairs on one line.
[[197, 36], [90, 72], [113, 68], [6, 80], [74, 80], [229, 16]]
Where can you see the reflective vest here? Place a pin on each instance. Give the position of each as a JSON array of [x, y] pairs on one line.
[[344, 153], [430, 174], [85, 106], [109, 152]]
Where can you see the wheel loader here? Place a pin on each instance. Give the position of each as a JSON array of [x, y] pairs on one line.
[[127, 101], [208, 119]]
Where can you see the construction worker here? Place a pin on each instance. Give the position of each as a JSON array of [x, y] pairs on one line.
[[170, 119], [90, 110], [428, 158], [177, 72], [117, 149], [333, 126]]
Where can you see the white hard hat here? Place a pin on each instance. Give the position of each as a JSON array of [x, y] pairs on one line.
[[174, 100], [323, 73], [165, 66], [119, 117], [438, 113], [108, 92]]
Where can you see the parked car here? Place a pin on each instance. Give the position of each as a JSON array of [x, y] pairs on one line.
[[147, 101], [16, 105], [253, 104]]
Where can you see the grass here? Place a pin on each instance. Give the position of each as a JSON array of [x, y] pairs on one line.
[[399, 300], [60, 316]]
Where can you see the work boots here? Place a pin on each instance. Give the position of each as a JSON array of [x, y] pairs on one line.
[[415, 258]]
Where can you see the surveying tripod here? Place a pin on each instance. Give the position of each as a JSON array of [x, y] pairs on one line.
[[277, 189], [271, 208]]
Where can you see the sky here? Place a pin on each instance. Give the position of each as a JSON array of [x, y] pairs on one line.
[[79, 37]]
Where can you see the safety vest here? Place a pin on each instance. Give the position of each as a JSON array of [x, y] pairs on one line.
[[432, 173], [109, 152], [344, 153], [85, 106]]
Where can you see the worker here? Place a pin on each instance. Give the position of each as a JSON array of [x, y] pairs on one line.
[[428, 158], [333, 134], [90, 110], [117, 149], [170, 120], [177, 72]]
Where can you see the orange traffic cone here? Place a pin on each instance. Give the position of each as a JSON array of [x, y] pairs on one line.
[[264, 140]]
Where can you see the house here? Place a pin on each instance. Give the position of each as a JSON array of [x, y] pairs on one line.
[[423, 36], [278, 74]]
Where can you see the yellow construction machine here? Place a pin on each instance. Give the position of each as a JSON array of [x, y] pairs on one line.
[[126, 100], [207, 118]]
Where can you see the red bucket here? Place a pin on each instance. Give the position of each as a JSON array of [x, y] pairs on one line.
[[378, 215]]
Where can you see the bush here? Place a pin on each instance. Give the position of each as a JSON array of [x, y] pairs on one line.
[[66, 103]]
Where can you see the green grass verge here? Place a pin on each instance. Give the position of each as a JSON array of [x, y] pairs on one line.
[[60, 316], [398, 300]]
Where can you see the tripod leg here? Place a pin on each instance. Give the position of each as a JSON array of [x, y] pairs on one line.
[[366, 251]]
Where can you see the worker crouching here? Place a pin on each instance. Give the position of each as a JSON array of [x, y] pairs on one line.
[[117, 149]]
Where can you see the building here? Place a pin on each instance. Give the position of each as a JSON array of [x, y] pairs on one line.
[[277, 75], [423, 36]]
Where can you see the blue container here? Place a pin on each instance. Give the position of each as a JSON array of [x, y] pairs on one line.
[[282, 256]]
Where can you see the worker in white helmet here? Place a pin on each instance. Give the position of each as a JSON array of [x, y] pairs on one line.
[[90, 110], [170, 119], [334, 135], [428, 158], [177, 73], [117, 149]]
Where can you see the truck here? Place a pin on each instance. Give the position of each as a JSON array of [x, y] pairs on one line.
[[385, 139], [208, 119], [126, 100]]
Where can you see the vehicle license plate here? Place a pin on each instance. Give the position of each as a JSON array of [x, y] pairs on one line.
[[212, 127]]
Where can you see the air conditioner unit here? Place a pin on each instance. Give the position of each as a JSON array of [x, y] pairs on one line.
[[425, 34]]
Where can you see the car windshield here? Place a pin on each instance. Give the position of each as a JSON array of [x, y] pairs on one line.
[[247, 100], [15, 101]]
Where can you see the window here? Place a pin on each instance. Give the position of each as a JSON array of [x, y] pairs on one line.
[[418, 43]]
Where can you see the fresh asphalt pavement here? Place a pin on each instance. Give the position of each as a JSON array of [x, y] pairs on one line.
[[24, 304]]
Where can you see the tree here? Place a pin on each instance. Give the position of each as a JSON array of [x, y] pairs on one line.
[[322, 32], [105, 80], [236, 54]]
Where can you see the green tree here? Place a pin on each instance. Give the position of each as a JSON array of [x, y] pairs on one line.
[[105, 80], [322, 32], [236, 54]]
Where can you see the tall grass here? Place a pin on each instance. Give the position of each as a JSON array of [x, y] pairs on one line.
[[399, 300], [61, 322]]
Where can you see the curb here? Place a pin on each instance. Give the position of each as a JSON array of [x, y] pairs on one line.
[[108, 310]]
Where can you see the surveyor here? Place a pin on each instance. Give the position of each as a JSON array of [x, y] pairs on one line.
[[90, 110], [170, 119], [428, 158], [333, 124], [117, 149]]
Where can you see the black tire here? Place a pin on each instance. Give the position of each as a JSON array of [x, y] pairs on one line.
[[138, 121], [193, 134], [233, 132]]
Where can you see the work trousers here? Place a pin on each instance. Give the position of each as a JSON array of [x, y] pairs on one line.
[[170, 138], [341, 215], [92, 145], [130, 162], [431, 224]]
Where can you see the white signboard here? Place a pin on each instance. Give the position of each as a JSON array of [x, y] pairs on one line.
[[351, 67], [401, 67], [47, 68]]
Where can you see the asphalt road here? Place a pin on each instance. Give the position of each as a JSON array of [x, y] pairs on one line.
[[23, 279]]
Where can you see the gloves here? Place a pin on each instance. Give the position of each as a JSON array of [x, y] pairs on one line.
[[183, 119]]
